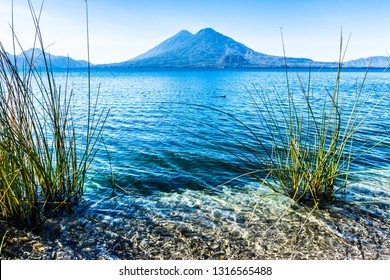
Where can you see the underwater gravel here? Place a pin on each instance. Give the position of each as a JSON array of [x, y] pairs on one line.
[[218, 234]]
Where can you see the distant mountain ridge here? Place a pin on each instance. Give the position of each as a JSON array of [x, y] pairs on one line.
[[374, 61], [35, 56], [205, 49], [211, 49]]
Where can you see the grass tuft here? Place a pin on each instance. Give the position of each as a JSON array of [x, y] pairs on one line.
[[312, 148], [44, 153]]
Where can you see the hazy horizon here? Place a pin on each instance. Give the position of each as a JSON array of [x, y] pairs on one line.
[[121, 30]]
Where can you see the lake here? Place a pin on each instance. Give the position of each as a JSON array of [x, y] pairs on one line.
[[161, 185]]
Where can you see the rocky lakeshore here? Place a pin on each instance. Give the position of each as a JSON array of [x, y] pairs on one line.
[[293, 233]]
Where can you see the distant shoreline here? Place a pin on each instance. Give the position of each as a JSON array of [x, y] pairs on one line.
[[109, 67]]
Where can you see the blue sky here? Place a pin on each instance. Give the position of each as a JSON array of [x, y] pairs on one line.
[[120, 29]]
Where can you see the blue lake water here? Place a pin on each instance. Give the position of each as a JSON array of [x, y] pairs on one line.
[[171, 149]]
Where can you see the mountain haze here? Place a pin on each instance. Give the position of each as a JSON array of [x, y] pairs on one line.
[[35, 56], [374, 62]]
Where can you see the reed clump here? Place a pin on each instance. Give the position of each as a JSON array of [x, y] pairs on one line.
[[44, 152], [311, 138]]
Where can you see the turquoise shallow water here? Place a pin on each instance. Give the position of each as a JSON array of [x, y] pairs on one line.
[[169, 154]]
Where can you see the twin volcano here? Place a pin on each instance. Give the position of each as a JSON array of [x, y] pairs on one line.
[[208, 48]]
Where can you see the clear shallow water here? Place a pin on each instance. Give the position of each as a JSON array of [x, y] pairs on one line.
[[169, 157], [159, 139]]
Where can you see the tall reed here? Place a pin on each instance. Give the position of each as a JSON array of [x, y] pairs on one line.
[[312, 152], [44, 153]]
